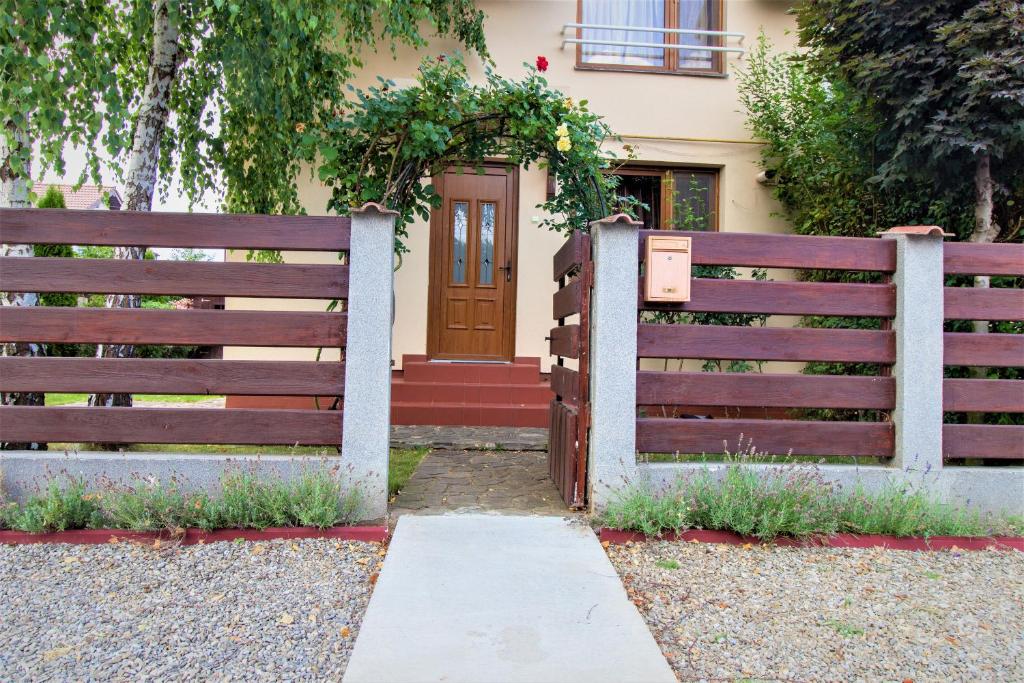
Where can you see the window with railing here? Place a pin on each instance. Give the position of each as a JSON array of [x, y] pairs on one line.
[[664, 36]]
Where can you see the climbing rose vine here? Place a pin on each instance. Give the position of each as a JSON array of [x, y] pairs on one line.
[[390, 141]]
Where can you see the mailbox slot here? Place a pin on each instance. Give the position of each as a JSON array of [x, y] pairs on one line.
[[667, 269]]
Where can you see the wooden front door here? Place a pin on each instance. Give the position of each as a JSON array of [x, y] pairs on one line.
[[473, 266]]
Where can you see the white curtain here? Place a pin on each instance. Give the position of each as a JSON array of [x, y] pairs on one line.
[[632, 13], [693, 14]]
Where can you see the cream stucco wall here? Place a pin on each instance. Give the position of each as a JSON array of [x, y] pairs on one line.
[[675, 120]]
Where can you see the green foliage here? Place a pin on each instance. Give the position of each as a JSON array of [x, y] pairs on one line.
[[401, 464], [389, 140], [57, 508], [791, 499], [53, 199]]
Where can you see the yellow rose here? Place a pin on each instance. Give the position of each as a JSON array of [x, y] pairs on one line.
[[562, 131], [564, 144], [568, 103]]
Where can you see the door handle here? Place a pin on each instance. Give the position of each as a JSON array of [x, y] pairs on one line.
[[508, 270]]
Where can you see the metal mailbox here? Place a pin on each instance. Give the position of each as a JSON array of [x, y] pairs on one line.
[[667, 268]]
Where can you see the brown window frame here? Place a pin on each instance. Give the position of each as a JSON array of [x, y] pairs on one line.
[[671, 65], [666, 206]]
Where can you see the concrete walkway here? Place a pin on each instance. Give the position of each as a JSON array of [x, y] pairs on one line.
[[479, 598]]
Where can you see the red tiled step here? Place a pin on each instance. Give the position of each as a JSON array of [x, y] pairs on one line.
[[535, 393], [471, 373], [477, 415]]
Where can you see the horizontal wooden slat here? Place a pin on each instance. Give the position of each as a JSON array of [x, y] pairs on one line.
[[565, 382], [782, 298], [762, 390], [777, 437], [115, 276], [1004, 442], [765, 343], [966, 258], [565, 341], [158, 376], [170, 425], [786, 251], [158, 229], [985, 350], [969, 303], [983, 395], [566, 301], [144, 326], [571, 254]]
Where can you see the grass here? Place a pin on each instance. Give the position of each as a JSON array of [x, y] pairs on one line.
[[667, 564], [844, 629], [316, 498], [67, 399], [403, 463], [793, 500]]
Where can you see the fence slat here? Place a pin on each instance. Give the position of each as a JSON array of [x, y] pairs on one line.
[[983, 395], [1002, 442], [159, 229], [786, 251], [158, 376], [782, 298], [764, 390], [565, 382], [171, 425], [969, 303], [966, 258], [143, 326], [565, 341], [568, 300], [765, 343], [571, 254], [992, 350], [778, 437], [115, 276]]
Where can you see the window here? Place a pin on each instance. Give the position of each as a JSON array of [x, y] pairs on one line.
[[675, 198], [614, 16]]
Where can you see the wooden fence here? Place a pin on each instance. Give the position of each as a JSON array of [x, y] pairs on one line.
[[173, 327], [770, 393]]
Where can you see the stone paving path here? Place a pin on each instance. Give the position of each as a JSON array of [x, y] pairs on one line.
[[491, 481], [470, 438]]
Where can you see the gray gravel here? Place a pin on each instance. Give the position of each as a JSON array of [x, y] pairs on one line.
[[280, 610], [782, 614]]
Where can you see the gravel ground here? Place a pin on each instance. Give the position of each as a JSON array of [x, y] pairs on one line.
[[729, 613], [279, 610]]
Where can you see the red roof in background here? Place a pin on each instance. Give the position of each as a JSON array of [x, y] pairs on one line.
[[86, 197]]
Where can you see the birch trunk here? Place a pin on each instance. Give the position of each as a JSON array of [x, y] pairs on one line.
[[14, 195], [985, 231], [141, 175]]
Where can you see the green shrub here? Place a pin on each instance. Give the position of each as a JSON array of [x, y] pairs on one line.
[[56, 508]]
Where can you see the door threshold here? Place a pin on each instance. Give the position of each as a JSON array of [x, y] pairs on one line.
[[454, 361]]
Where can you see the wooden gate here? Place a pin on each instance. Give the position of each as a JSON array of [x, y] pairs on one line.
[[570, 409]]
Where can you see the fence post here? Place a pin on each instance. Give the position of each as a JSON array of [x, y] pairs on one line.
[[918, 328], [366, 420], [613, 362]]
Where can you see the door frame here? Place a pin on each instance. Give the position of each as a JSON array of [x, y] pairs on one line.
[[437, 260]]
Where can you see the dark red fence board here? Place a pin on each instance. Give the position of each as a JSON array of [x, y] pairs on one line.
[[765, 343], [777, 437], [966, 258], [969, 303], [787, 251], [171, 425], [983, 395], [782, 298], [565, 382], [115, 276], [568, 300], [571, 254], [153, 376], [144, 326], [762, 390], [1001, 442], [565, 341], [159, 229], [985, 350]]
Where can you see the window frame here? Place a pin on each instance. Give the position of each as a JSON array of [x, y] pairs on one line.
[[666, 173], [671, 65]]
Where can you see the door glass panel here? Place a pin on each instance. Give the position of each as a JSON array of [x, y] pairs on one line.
[[460, 227], [487, 243]]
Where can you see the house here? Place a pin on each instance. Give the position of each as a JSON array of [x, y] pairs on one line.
[[473, 296], [85, 197]]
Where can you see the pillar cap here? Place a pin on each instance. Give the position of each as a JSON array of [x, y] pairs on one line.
[[374, 207], [916, 230], [621, 219]]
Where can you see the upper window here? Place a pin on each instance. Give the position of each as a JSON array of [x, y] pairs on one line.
[[637, 30], [671, 198]]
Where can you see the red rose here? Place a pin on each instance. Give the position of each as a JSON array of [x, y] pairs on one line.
[[542, 63]]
